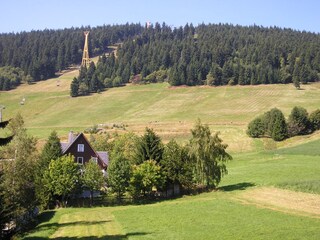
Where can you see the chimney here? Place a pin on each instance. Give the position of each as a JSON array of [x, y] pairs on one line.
[[70, 137]]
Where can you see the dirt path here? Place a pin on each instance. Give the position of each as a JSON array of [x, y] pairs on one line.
[[283, 200]]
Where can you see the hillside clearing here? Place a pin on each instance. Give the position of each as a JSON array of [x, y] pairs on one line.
[[171, 112]]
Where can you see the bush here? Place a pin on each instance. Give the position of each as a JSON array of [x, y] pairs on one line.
[[314, 120], [145, 177], [256, 127], [298, 123], [272, 124]]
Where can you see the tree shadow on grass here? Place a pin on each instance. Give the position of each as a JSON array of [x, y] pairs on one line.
[[237, 186], [46, 216], [110, 237], [58, 225]]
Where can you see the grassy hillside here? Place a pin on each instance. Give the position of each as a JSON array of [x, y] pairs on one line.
[[170, 111], [248, 205]]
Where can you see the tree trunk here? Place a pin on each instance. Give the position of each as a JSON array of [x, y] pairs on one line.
[[91, 198]]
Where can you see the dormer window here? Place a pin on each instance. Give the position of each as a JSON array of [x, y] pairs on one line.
[[80, 147]]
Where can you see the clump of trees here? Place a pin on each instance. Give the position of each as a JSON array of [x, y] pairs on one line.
[[11, 77], [157, 167], [273, 124]]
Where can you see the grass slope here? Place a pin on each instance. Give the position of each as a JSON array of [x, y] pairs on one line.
[[247, 206], [170, 111]]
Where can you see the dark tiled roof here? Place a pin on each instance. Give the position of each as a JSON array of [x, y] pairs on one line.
[[104, 156]]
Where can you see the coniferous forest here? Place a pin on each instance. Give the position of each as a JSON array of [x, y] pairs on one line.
[[41, 54], [211, 54]]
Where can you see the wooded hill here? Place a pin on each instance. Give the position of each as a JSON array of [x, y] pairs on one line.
[[222, 54], [213, 54], [42, 53]]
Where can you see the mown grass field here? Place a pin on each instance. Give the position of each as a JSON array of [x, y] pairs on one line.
[[249, 204], [170, 111], [271, 191]]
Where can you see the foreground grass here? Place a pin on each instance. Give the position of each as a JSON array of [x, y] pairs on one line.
[[229, 213], [207, 216], [294, 168]]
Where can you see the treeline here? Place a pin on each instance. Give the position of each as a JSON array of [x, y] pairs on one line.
[[42, 53], [273, 124], [140, 167], [10, 77], [215, 55]]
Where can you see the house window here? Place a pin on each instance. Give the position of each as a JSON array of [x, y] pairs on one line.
[[95, 159], [80, 147], [80, 160]]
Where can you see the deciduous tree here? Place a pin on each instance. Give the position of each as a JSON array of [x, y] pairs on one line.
[[145, 177], [209, 154], [63, 177], [92, 178], [119, 173]]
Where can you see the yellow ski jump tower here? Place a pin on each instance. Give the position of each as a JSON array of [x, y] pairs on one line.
[[85, 56]]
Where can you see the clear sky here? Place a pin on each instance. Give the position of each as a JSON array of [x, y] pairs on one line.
[[26, 15]]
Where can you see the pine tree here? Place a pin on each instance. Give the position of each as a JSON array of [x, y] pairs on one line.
[[74, 87], [298, 122], [149, 147]]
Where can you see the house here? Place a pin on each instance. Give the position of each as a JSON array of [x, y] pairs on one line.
[[79, 147]]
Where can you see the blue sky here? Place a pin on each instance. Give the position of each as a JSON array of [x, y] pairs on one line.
[[26, 15]]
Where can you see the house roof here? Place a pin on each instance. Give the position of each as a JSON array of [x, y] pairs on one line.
[[103, 157], [63, 146]]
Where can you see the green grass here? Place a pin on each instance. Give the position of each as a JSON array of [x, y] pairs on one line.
[[292, 164], [213, 217], [311, 149], [170, 111], [198, 217], [295, 168], [219, 214]]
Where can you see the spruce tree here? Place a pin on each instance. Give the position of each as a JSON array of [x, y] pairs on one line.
[[51, 151], [298, 122], [314, 119], [149, 147], [74, 87], [277, 125]]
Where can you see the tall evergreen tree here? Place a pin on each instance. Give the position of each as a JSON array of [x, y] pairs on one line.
[[149, 147], [74, 91]]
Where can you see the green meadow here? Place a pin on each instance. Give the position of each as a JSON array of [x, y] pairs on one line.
[[171, 112], [271, 191], [251, 203]]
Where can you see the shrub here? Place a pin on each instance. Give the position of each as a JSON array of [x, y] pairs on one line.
[[256, 127], [314, 120], [298, 123]]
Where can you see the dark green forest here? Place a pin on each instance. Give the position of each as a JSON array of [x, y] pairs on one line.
[[42, 53], [214, 54], [211, 54]]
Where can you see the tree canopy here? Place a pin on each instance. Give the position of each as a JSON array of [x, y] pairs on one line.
[[213, 54], [209, 155]]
